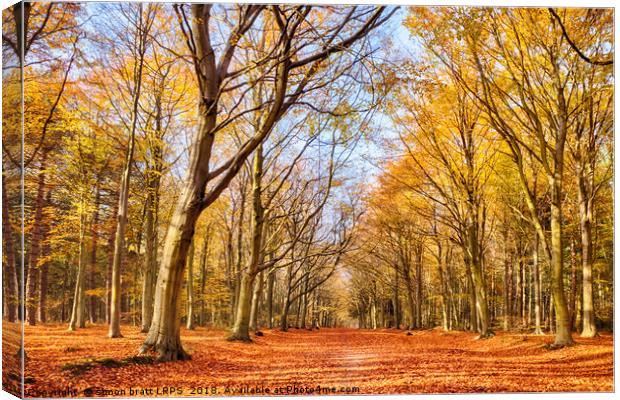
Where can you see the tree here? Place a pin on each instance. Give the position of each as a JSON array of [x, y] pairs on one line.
[[38, 29], [446, 127], [164, 103], [591, 128], [190, 288], [529, 113], [215, 80], [139, 21]]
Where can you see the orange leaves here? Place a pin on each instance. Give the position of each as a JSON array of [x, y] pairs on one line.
[[380, 361]]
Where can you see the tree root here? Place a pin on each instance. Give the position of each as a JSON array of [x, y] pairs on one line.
[[239, 338], [115, 336], [487, 335], [557, 346], [166, 352]]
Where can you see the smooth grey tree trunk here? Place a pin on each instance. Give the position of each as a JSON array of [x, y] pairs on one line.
[[419, 281], [537, 290], [562, 318], [190, 288], [585, 224], [10, 279], [77, 311], [395, 300], [270, 286], [32, 270], [257, 293], [151, 220], [142, 31], [241, 327]]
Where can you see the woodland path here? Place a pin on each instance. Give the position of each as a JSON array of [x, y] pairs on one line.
[[381, 361]]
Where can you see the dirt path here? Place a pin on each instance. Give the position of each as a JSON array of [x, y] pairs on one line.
[[345, 360]]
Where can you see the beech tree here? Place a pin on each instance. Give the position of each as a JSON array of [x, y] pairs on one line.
[[531, 114], [139, 22], [243, 167], [37, 30], [217, 79], [164, 101], [447, 128]]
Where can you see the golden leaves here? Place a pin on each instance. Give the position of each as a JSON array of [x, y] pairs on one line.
[[380, 361]]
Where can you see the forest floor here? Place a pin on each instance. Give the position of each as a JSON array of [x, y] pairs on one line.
[[351, 361]]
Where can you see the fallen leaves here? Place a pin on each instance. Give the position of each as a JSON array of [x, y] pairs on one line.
[[381, 361]]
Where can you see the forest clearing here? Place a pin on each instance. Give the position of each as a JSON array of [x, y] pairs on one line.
[[391, 198], [377, 362]]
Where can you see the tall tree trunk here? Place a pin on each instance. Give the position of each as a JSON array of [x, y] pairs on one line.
[[373, 310], [77, 311], [239, 257], [360, 316], [190, 288], [530, 299], [395, 299], [287, 300], [562, 318], [554, 251], [142, 31], [284, 315], [507, 284], [256, 295], [119, 246], [585, 224], [410, 300], [241, 328], [150, 260], [537, 289], [471, 293], [65, 293], [304, 308], [164, 333], [481, 302], [94, 234], [230, 274], [443, 291], [315, 312], [298, 299], [43, 274], [110, 250], [524, 282], [10, 279], [419, 280], [442, 265], [519, 294], [271, 280], [479, 287], [32, 273], [204, 255], [43, 285], [572, 299]]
